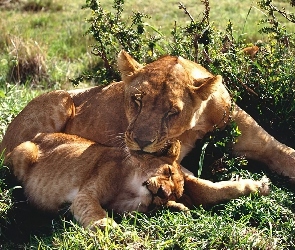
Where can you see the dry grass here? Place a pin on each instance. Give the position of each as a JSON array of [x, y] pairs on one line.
[[28, 62]]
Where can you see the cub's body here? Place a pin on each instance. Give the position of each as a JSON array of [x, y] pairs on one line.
[[59, 168]]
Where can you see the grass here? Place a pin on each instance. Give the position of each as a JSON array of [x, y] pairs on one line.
[[56, 30], [12, 100], [59, 33], [199, 230], [245, 223]]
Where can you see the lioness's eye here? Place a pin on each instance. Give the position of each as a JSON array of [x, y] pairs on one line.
[[173, 112], [137, 99]]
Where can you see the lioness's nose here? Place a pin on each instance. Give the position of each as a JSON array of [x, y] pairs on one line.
[[142, 144]]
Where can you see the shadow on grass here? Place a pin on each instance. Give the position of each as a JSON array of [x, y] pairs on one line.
[[23, 220]]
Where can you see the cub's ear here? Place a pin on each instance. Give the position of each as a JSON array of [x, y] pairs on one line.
[[204, 87], [127, 65], [174, 150]]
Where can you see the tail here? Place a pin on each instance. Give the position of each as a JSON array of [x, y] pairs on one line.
[[21, 158]]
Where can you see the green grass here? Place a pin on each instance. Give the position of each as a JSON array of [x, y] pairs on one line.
[[200, 230], [245, 223], [59, 33]]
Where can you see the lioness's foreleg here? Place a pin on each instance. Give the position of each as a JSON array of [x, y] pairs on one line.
[[255, 143], [88, 212], [204, 192], [46, 113]]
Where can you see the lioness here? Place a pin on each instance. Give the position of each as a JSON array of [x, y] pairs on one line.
[[60, 168], [169, 98]]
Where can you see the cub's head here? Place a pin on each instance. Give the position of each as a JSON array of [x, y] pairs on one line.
[[163, 99], [167, 182]]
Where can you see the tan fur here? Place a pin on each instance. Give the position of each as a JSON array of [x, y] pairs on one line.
[[204, 192], [166, 99], [59, 168], [46, 113]]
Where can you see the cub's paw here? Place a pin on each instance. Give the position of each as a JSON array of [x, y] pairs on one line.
[[103, 224], [250, 186], [264, 186], [176, 206]]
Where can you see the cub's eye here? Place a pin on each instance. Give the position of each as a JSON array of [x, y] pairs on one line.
[[168, 172]]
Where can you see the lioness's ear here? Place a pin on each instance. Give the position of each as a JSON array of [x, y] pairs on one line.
[[206, 86], [174, 150], [127, 64]]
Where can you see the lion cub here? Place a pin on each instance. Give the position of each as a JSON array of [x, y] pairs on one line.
[[60, 168]]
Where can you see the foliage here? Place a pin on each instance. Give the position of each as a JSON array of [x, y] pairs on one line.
[[5, 193], [111, 32], [261, 83], [256, 224], [216, 154]]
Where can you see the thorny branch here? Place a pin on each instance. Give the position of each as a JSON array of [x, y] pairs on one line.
[[283, 13], [182, 7], [206, 11], [201, 34]]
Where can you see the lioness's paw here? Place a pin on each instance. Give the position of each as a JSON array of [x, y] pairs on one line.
[[103, 224]]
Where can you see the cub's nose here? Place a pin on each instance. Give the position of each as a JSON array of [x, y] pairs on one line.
[[142, 144], [162, 193]]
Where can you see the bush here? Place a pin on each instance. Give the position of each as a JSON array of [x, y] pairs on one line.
[[260, 76]]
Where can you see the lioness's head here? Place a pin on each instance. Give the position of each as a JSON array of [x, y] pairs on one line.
[[163, 99]]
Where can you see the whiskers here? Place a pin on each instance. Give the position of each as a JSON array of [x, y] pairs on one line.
[[163, 147], [65, 209], [118, 141], [115, 140]]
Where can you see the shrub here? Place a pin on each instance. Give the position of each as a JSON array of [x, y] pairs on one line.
[[112, 32], [260, 78]]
